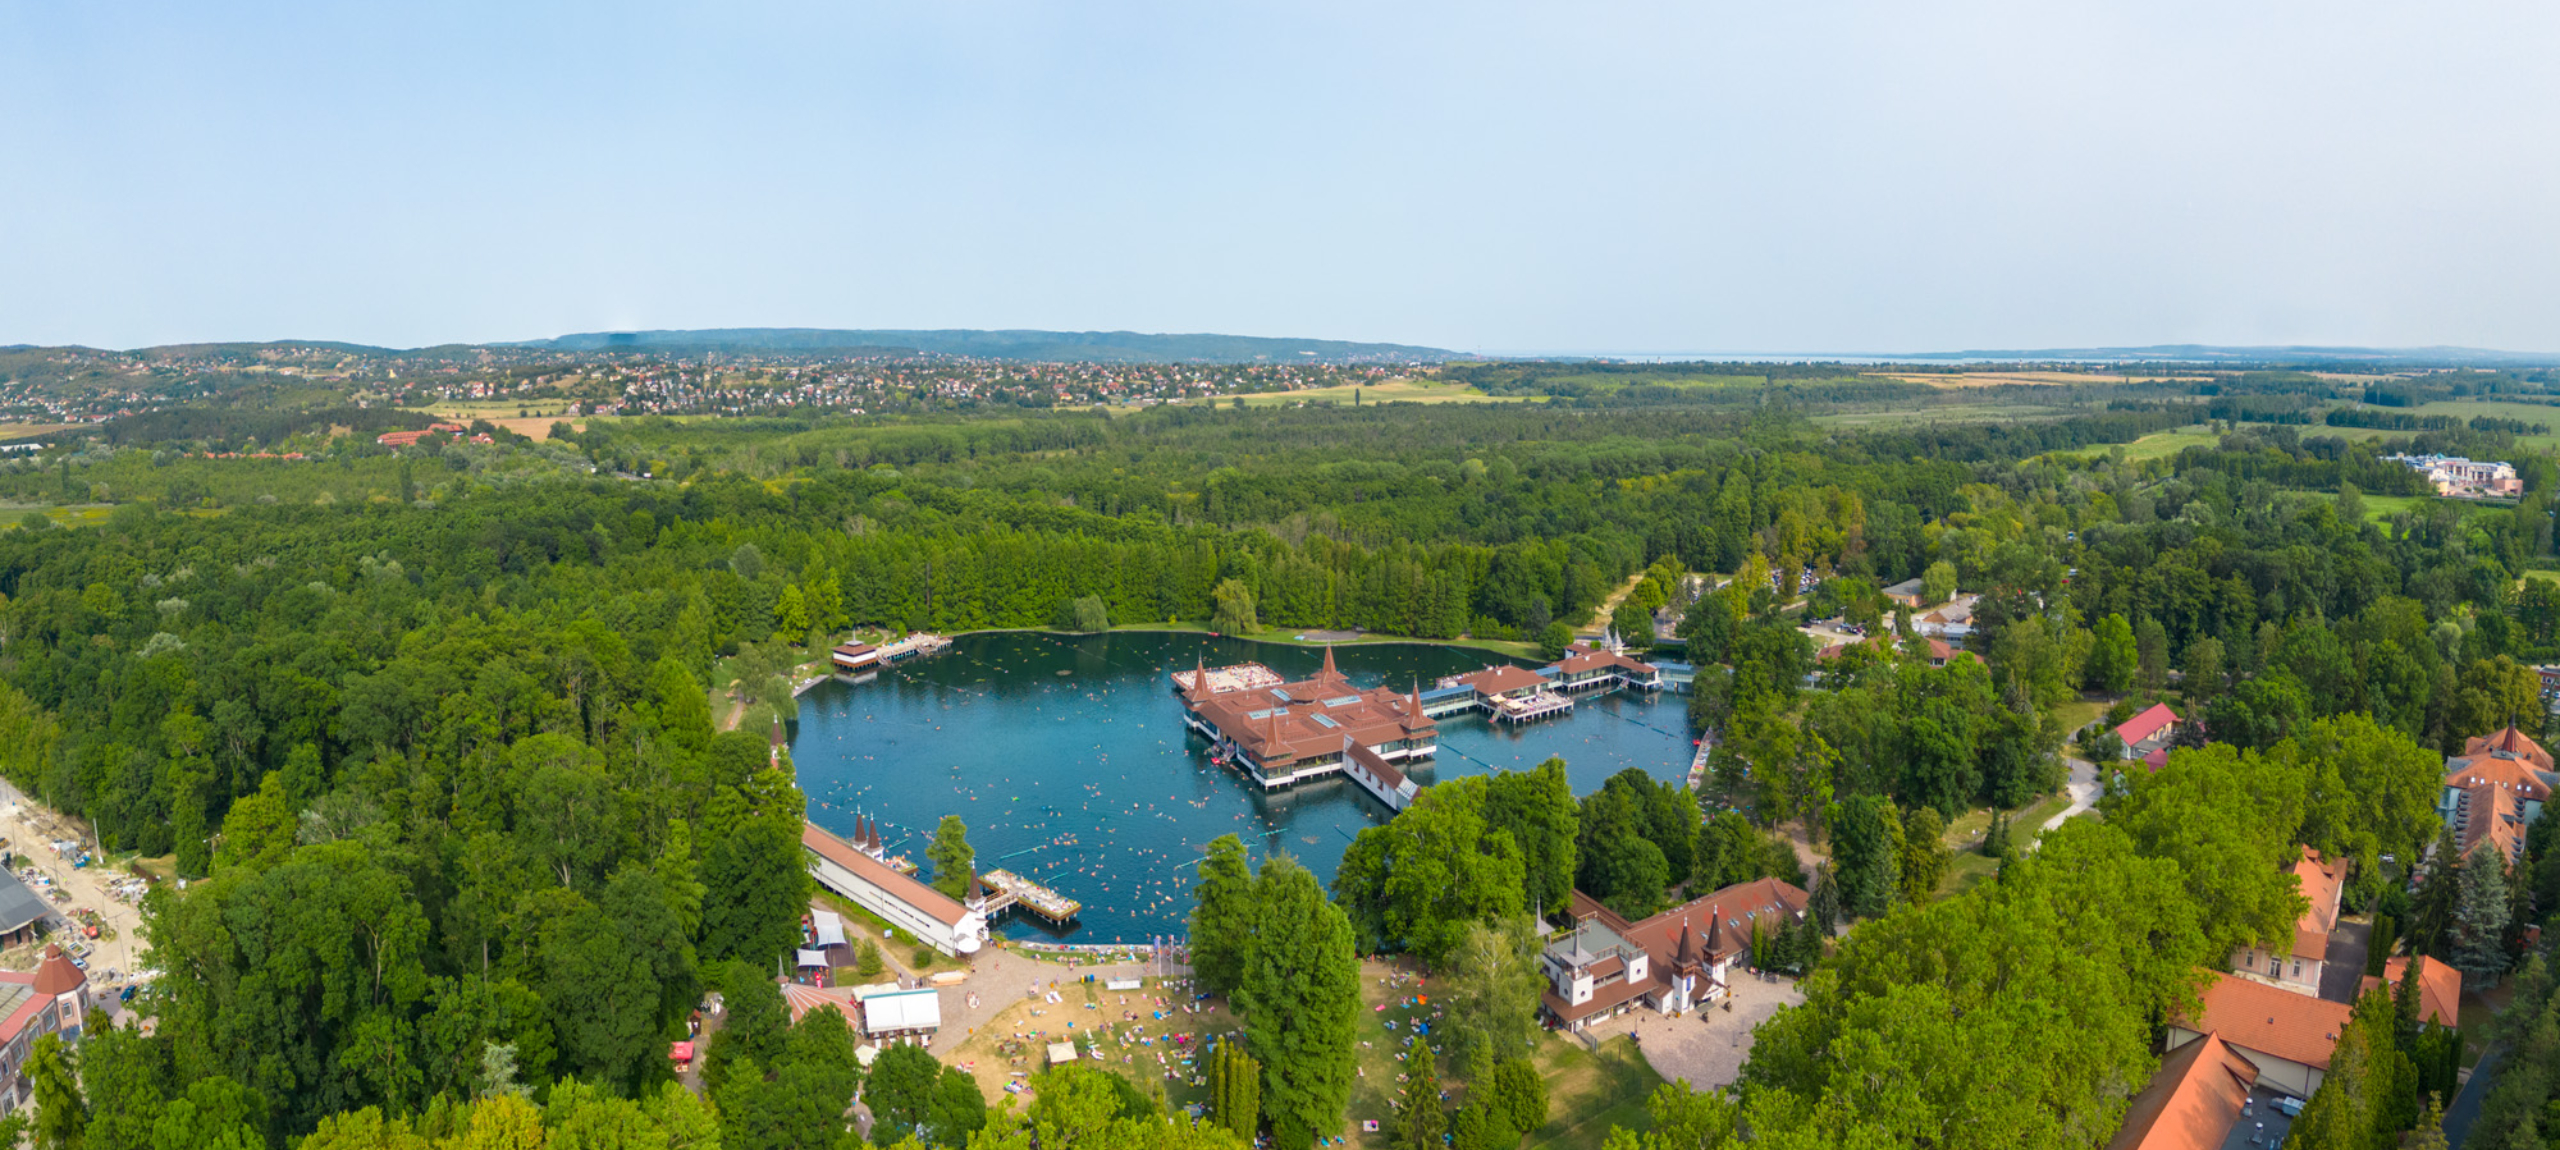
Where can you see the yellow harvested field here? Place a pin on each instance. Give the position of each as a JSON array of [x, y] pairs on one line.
[[1964, 379], [23, 430]]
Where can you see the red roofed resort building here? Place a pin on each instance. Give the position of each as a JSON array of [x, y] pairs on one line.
[[1293, 732], [1677, 960], [2494, 790], [52, 999]]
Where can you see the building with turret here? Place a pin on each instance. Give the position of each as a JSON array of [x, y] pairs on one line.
[[51, 999], [859, 871]]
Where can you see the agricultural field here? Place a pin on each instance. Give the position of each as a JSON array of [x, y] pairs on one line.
[[1951, 413], [1392, 391]]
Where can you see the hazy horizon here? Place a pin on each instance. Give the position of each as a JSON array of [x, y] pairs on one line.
[[1863, 179]]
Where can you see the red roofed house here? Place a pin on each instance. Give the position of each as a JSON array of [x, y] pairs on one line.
[[2289, 1037], [52, 999], [1677, 960], [2148, 731], [2494, 790], [2297, 967], [2192, 1102], [2439, 989]]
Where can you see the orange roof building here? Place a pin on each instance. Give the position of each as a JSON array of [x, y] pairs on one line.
[[2192, 1102], [2494, 790], [2288, 1037], [2509, 743], [1676, 960], [1293, 732], [2439, 989], [2298, 966]]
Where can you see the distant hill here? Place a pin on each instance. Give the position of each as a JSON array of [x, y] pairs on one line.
[[1124, 346], [2290, 355]]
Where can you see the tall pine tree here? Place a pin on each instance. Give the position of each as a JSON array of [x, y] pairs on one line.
[[1300, 994], [1221, 916], [2480, 920]]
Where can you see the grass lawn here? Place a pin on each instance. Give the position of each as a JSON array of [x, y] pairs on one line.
[[2478, 1012], [1969, 865], [1590, 1093], [2079, 713], [2163, 444]]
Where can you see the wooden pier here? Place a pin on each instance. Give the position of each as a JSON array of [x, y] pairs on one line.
[[1007, 890], [1238, 677]]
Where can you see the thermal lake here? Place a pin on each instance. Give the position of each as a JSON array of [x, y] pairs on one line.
[[1068, 759]]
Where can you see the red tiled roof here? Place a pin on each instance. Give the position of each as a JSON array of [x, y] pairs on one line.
[[55, 975], [2157, 758], [2322, 880], [1289, 731], [924, 898], [2486, 770], [801, 999], [2191, 1103], [2492, 814], [1580, 661], [1496, 680], [2286, 1024], [2439, 989], [2509, 741], [2146, 724]]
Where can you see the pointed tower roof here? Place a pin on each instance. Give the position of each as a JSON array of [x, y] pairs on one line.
[[861, 832], [1686, 953], [55, 975], [1715, 929], [1329, 672]]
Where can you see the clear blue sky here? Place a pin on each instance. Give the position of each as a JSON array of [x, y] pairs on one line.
[[1692, 175]]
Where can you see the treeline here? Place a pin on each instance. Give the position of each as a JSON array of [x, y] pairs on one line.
[[235, 428], [2402, 421]]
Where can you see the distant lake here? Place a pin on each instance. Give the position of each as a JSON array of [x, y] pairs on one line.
[[1067, 758]]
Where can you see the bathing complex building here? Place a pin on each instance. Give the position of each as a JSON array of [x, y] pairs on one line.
[[1280, 733]]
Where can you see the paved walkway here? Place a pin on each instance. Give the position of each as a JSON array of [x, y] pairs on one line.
[[2083, 788], [1706, 1049], [2343, 972]]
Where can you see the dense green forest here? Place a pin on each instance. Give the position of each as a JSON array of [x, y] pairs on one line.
[[434, 727]]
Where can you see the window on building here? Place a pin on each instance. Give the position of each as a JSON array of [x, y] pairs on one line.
[[2275, 967]]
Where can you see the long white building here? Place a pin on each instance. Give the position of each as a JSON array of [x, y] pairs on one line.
[[859, 874]]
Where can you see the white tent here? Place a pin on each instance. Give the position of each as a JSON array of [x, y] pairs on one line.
[[1123, 984], [813, 958], [1061, 1052], [830, 927], [900, 1012]]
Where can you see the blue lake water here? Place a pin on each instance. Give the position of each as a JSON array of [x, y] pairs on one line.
[[1067, 758]]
